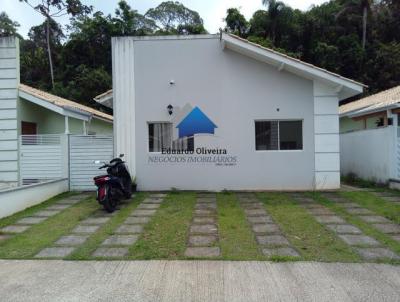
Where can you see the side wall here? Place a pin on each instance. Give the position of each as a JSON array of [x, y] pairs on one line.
[[18, 199], [368, 153], [9, 81], [326, 131]]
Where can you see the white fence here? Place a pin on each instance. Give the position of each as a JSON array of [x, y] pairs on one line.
[[52, 157], [42, 158], [370, 154], [83, 151]]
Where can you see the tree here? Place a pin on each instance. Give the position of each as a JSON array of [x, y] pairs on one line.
[[274, 12], [174, 18], [236, 22], [358, 5], [8, 27], [130, 22], [51, 9]]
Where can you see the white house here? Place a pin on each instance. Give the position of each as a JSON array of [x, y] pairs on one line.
[[214, 112], [370, 139]]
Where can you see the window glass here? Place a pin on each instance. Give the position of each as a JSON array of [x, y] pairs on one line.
[[267, 135], [291, 135], [160, 136], [279, 135]]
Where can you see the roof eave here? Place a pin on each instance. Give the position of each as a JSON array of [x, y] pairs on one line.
[[361, 112], [346, 87]]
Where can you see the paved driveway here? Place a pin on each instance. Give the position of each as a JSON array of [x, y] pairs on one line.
[[196, 281]]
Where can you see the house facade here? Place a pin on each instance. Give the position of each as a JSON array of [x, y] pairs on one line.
[[214, 112], [370, 137], [25, 110]]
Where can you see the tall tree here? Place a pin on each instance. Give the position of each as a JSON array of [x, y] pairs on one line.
[[274, 10], [174, 18], [236, 22], [8, 27], [52, 9], [363, 6]]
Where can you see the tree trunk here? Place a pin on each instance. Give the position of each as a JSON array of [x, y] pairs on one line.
[[364, 38], [49, 50]]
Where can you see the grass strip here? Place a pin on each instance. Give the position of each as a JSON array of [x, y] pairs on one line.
[[86, 250], [165, 236], [29, 243], [376, 204], [236, 239], [308, 236], [365, 227], [32, 210]]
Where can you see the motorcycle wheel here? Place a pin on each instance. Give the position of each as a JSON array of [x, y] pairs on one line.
[[109, 203]]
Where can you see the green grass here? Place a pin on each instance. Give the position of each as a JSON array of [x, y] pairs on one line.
[[32, 210], [236, 239], [29, 243], [375, 204], [85, 250], [365, 227], [308, 236], [165, 236]]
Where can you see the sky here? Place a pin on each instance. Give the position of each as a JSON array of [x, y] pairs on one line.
[[212, 11]]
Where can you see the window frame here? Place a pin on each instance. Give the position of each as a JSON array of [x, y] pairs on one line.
[[148, 134], [279, 137]]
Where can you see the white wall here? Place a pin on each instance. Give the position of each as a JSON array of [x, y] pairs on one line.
[[18, 199], [367, 153], [234, 91], [9, 80]]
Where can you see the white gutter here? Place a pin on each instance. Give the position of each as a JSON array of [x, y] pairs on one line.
[[366, 111]]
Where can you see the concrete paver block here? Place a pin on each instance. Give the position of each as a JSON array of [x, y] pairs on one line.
[[142, 213], [272, 240], [203, 229], [201, 240], [200, 252], [265, 228], [55, 252], [31, 220], [95, 220], [57, 207], [72, 240], [15, 229], [86, 229], [359, 240], [374, 219], [111, 252], [121, 240], [387, 228], [344, 228], [130, 229], [377, 253], [283, 251], [137, 220], [204, 220], [45, 213], [259, 219]]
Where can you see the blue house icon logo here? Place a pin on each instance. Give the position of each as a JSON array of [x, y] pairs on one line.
[[194, 123]]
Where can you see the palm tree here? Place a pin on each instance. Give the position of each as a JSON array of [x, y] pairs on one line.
[[355, 6], [274, 12]]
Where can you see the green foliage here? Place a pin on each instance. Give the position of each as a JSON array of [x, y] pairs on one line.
[[236, 22], [8, 27]]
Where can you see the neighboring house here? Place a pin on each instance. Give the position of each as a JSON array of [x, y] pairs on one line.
[[370, 147], [28, 111], [40, 112], [265, 121], [105, 99]]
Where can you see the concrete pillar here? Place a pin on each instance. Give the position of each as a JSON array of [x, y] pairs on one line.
[[9, 82]]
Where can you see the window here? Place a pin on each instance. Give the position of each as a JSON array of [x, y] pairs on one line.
[[160, 136], [279, 135]]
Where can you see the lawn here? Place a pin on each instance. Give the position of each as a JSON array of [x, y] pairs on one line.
[[166, 235], [309, 237]]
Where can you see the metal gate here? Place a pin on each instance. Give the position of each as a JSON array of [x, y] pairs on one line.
[[83, 151], [42, 158]]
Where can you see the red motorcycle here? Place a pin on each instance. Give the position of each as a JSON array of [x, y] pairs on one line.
[[114, 186]]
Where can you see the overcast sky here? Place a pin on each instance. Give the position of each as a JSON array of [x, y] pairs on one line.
[[212, 11]]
